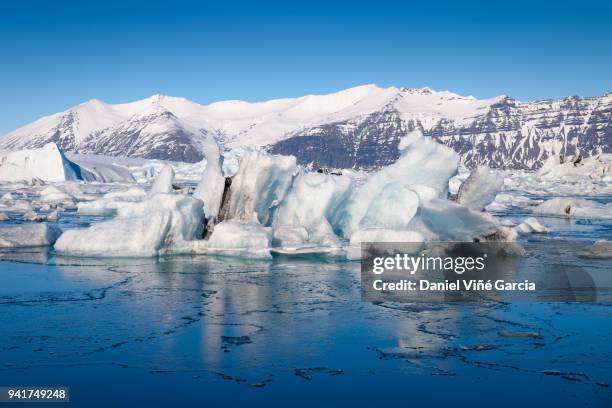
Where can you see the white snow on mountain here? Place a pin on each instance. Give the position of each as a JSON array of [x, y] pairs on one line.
[[365, 122]]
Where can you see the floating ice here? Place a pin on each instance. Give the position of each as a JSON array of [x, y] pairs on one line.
[[34, 217], [139, 230], [480, 188], [422, 162], [163, 182], [248, 239], [594, 166], [111, 202], [530, 226], [54, 194], [311, 204], [353, 251], [47, 163], [574, 207], [28, 235], [261, 183], [600, 250], [211, 186]]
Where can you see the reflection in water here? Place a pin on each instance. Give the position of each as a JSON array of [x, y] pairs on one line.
[[286, 322]]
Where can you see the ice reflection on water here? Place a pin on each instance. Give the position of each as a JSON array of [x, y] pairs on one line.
[[209, 321]]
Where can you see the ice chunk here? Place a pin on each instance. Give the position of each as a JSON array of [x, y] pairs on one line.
[[7, 197], [289, 236], [47, 163], [101, 169], [530, 226], [312, 202], [353, 251], [139, 230], [599, 250], [249, 239], [261, 183], [18, 206], [53, 216], [211, 186], [393, 208], [163, 182], [422, 162], [28, 235], [131, 194], [3, 216], [595, 166], [385, 235], [574, 207], [480, 188], [54, 194], [34, 217], [111, 202], [444, 220]]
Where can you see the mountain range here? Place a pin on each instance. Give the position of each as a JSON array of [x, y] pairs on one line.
[[355, 128]]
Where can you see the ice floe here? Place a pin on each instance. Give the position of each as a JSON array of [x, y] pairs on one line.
[[574, 207], [601, 249], [28, 235], [530, 226]]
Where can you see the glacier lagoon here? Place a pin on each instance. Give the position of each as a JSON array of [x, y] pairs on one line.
[[208, 329]]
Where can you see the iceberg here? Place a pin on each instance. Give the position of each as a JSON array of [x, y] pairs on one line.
[[139, 229], [261, 184], [308, 208], [239, 238], [423, 162], [111, 202], [50, 164], [212, 183], [480, 188], [159, 223], [163, 182], [47, 163], [28, 235]]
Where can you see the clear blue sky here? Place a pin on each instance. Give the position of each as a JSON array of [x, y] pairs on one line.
[[55, 54]]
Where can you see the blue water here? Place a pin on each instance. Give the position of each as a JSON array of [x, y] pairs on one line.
[[208, 331]]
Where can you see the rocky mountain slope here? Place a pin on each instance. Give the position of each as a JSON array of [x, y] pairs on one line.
[[358, 127]]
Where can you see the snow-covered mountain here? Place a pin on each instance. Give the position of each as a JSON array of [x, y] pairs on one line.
[[357, 127]]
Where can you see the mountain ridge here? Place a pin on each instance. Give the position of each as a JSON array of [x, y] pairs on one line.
[[356, 127]]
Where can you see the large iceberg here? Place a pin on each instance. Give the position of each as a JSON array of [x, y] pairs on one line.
[[49, 164]]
